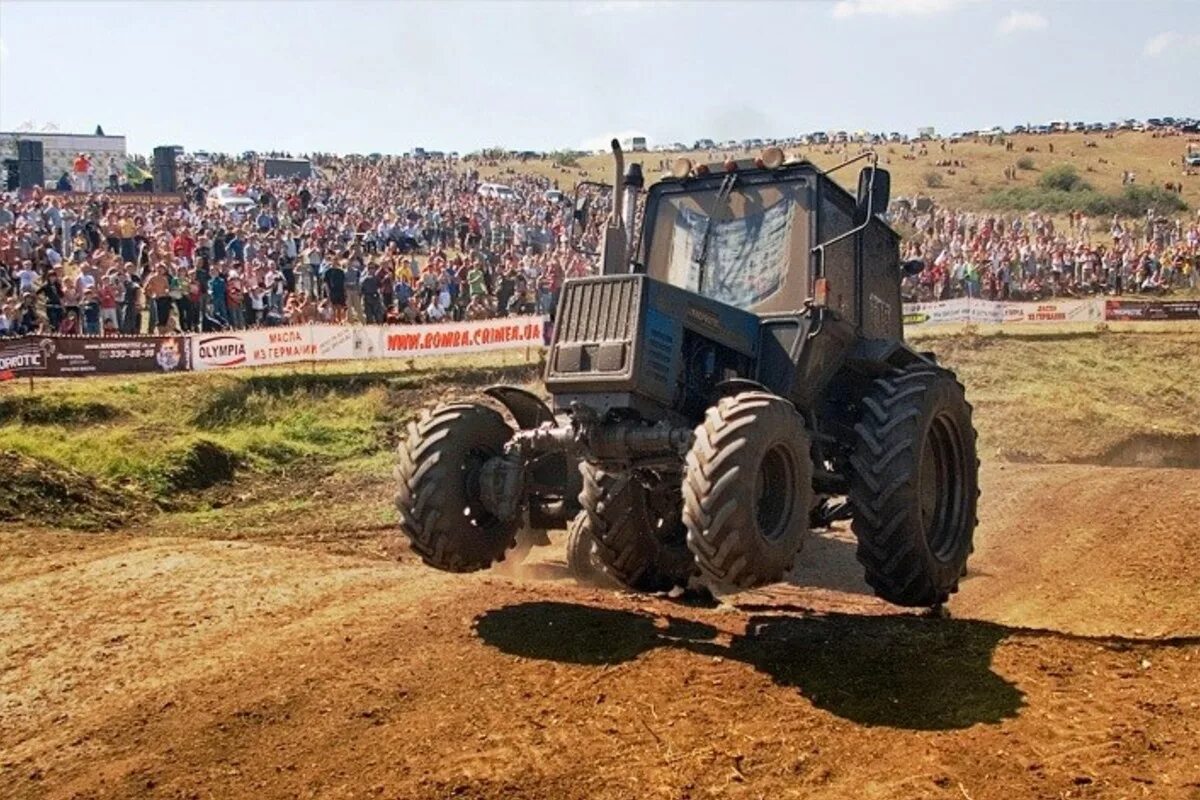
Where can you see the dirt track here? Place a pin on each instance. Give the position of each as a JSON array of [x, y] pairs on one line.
[[190, 667]]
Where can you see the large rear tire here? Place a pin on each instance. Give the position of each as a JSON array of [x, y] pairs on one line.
[[747, 490], [635, 544], [915, 486], [437, 470]]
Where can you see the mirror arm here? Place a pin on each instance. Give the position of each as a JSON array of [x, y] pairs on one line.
[[819, 250], [869, 154]]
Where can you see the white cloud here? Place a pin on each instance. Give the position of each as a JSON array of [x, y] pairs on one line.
[[893, 8], [1171, 40], [3, 50], [1022, 21]]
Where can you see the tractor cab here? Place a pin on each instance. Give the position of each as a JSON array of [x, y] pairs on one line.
[[764, 235], [741, 237]]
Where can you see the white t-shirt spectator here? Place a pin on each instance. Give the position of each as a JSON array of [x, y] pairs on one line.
[[26, 278], [84, 282]]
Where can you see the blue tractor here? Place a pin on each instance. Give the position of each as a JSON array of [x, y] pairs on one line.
[[735, 377]]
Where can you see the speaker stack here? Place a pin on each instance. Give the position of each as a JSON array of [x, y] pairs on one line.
[[165, 180], [30, 170]]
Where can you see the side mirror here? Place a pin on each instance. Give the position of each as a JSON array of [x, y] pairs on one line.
[[913, 267], [874, 188], [586, 194], [583, 207]]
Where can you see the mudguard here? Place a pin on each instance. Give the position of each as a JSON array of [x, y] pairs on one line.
[[527, 408], [733, 386]]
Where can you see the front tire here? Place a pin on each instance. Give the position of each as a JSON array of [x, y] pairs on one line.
[[631, 542], [747, 490], [915, 486], [437, 472]]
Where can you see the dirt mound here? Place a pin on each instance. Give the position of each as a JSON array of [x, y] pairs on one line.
[[1153, 450], [50, 410], [246, 398], [39, 492], [201, 465]]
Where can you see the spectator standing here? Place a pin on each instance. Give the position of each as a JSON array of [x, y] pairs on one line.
[[157, 288], [106, 295], [354, 289], [218, 290], [335, 286]]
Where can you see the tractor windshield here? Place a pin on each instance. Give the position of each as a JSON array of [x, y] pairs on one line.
[[746, 246]]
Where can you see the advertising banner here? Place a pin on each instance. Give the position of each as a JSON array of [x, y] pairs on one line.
[[55, 356], [1055, 311], [22, 356], [254, 348], [65, 356], [1116, 310], [270, 346], [343, 342], [941, 311], [407, 341], [995, 312]]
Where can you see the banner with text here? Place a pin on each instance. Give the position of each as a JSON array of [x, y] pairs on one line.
[[969, 310], [270, 346], [265, 347], [407, 341], [1154, 310], [68, 356]]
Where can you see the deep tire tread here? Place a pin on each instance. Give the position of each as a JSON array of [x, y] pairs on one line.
[[429, 484], [621, 527], [722, 529], [883, 489]]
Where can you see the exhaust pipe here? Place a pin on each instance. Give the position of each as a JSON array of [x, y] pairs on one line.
[[614, 255], [618, 195], [633, 185]]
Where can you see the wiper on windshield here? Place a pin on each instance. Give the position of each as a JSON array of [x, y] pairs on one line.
[[709, 223]]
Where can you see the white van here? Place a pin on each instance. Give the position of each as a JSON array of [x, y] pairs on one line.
[[499, 191]]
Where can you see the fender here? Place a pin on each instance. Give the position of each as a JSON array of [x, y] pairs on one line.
[[527, 408], [735, 385]]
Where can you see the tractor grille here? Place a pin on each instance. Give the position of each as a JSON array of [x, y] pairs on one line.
[[595, 330], [600, 310], [660, 350]]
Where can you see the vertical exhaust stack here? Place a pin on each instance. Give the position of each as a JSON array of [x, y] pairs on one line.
[[614, 256], [618, 179], [633, 186]]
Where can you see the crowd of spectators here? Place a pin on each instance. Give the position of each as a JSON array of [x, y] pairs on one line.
[[1030, 257], [405, 240], [394, 240]]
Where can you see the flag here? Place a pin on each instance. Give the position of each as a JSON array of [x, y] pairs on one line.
[[136, 174]]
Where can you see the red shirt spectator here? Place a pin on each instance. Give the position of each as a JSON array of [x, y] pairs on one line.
[[106, 295], [183, 245]]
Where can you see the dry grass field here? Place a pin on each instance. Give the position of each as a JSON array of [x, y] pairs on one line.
[[1156, 160]]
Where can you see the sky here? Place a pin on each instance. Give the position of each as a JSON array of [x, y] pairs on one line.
[[362, 77]]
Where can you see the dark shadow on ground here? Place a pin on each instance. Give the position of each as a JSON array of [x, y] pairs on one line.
[[898, 671]]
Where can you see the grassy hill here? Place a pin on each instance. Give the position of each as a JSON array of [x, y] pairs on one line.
[[1156, 160]]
